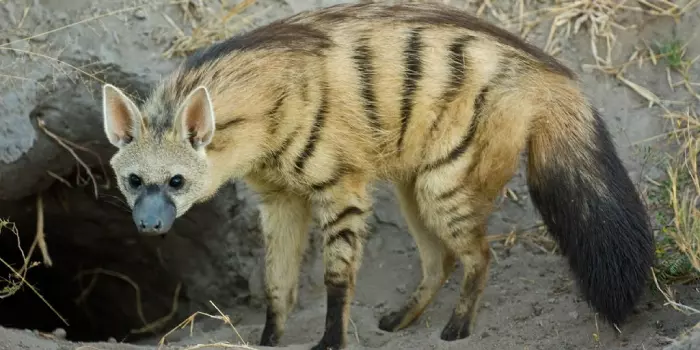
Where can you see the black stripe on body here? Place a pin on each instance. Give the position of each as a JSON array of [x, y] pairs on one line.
[[363, 60], [314, 135], [414, 72]]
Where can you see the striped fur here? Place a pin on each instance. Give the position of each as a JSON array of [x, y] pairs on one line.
[[313, 109]]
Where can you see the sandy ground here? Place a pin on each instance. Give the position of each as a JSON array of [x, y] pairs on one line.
[[530, 301]]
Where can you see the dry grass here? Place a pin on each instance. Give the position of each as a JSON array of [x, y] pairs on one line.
[[189, 321], [18, 278], [681, 251], [602, 20], [207, 26]]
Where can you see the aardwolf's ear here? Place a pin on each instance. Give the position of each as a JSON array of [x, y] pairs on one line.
[[122, 119], [195, 119]]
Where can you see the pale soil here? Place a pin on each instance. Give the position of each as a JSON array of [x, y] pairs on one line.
[[530, 302]]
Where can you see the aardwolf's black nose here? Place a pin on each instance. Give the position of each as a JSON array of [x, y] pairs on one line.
[[151, 224], [153, 212]]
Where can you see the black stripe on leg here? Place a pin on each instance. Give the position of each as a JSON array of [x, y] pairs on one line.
[[453, 209], [351, 210], [414, 72], [346, 235], [447, 195], [458, 220], [333, 278], [460, 224]]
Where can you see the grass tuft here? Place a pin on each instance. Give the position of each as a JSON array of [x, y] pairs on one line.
[[189, 321], [679, 249], [207, 26]]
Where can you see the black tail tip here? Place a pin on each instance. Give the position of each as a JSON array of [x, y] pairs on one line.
[[615, 283]]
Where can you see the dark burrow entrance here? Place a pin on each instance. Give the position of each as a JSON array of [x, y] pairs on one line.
[[106, 281], [98, 263]]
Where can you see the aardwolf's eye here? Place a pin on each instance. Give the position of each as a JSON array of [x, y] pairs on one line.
[[134, 181], [176, 181]]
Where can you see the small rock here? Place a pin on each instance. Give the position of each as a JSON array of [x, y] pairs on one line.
[[140, 14], [401, 288], [485, 335], [111, 340], [521, 317], [574, 315], [59, 333], [536, 309]]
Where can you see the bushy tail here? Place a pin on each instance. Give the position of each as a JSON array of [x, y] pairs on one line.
[[591, 207]]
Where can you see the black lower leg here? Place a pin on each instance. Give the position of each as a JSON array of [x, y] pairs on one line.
[[271, 332], [458, 327], [462, 320], [334, 335]]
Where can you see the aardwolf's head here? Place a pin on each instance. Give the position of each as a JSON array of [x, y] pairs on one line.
[[161, 168]]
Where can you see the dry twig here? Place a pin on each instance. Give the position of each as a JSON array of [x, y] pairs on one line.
[[224, 318]]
